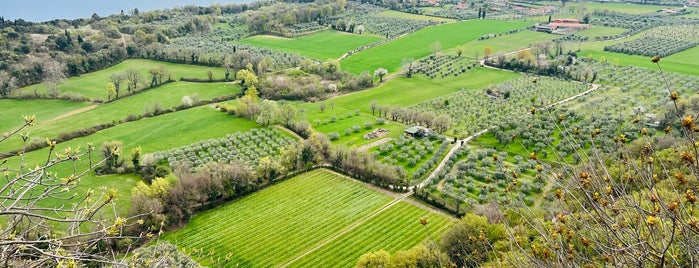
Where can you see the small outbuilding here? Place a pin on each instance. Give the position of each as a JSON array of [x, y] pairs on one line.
[[417, 132]]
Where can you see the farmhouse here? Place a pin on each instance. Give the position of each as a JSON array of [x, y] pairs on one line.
[[417, 132], [561, 26]]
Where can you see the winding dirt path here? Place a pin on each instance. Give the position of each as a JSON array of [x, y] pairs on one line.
[[71, 113]]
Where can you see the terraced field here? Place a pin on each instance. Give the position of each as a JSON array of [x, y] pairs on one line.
[[282, 223]]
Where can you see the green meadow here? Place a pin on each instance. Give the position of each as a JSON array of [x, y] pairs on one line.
[[417, 45], [403, 15], [297, 222], [321, 46], [166, 96], [14, 109], [94, 85]]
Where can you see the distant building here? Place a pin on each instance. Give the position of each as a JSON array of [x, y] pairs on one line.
[[559, 25], [417, 132]]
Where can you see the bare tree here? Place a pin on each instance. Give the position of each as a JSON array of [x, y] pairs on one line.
[[8, 83], [54, 72], [115, 79], [373, 105], [29, 236], [133, 76]]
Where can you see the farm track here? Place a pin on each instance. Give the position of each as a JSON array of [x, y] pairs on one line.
[[71, 113], [461, 143]]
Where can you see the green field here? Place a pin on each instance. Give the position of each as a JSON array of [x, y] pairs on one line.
[[14, 109], [596, 30], [403, 15], [408, 91], [151, 134], [675, 63], [506, 43], [94, 85], [277, 225], [620, 7], [321, 46], [417, 45], [169, 95], [398, 228]]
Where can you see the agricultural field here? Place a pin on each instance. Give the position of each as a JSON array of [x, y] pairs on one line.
[[597, 31], [94, 85], [660, 41], [397, 14], [619, 7], [417, 45], [43, 110], [315, 209], [506, 43], [151, 134], [418, 156], [247, 147], [316, 45], [133, 107], [474, 110], [408, 91]]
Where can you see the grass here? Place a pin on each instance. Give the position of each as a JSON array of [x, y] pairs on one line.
[[14, 109], [403, 15], [94, 85], [506, 43], [321, 46], [151, 134], [417, 45], [596, 30], [675, 63], [275, 225], [621, 7], [169, 95], [399, 227], [408, 91]]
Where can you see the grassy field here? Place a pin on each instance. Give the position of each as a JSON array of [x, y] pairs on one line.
[[403, 15], [274, 226], [151, 134], [169, 95], [620, 7], [417, 45], [14, 109], [596, 30], [94, 85], [506, 43], [675, 63], [408, 91], [398, 227], [321, 46]]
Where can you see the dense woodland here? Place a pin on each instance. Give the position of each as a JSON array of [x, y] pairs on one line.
[[581, 162]]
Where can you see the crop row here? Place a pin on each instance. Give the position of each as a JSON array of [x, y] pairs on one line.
[[411, 153], [300, 212], [247, 147], [440, 65], [661, 41], [473, 110], [397, 228]]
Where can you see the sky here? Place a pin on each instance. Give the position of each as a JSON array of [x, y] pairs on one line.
[[45, 10]]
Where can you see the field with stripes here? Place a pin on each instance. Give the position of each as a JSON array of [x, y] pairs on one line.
[[318, 219]]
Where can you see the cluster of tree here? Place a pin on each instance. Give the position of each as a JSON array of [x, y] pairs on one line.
[[560, 65], [409, 116], [314, 81], [174, 199], [273, 19]]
